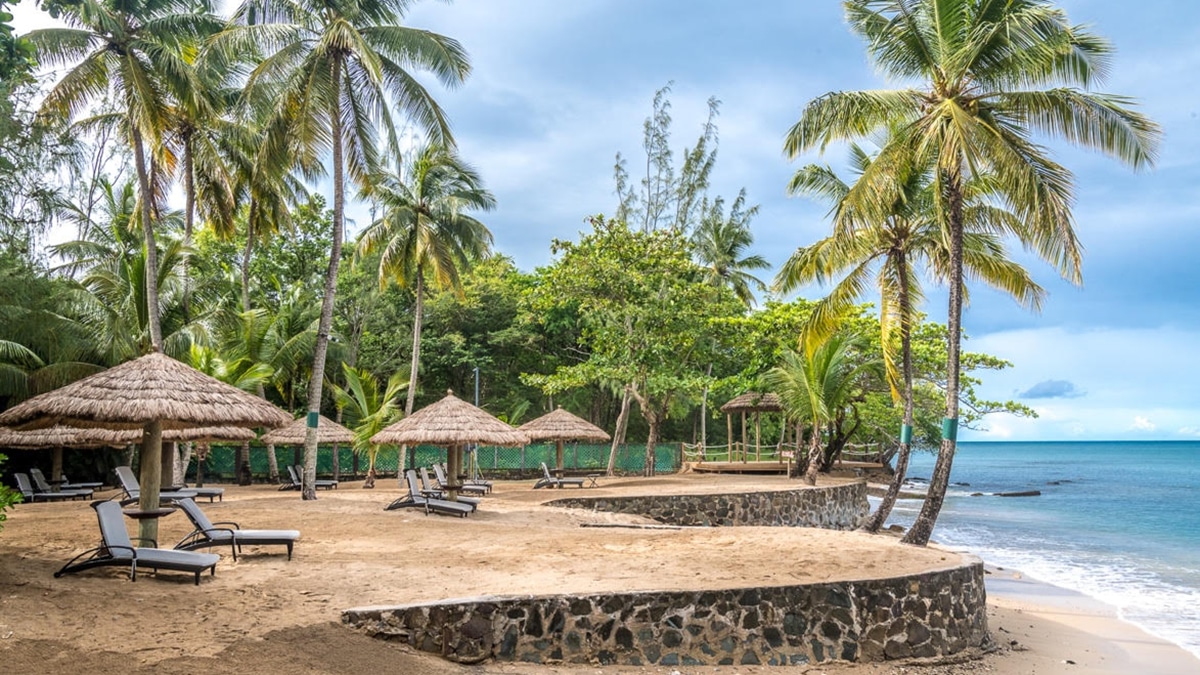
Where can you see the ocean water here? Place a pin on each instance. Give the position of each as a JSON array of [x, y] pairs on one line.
[[1118, 521]]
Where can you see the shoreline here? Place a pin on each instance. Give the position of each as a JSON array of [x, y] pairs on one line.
[[1057, 627]]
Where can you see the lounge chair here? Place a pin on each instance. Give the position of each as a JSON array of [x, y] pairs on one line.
[[468, 489], [133, 491], [477, 480], [439, 491], [553, 482], [31, 495], [298, 479], [39, 482], [292, 482], [116, 548], [208, 533], [414, 498]]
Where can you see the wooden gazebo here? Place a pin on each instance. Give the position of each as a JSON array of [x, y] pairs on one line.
[[749, 402]]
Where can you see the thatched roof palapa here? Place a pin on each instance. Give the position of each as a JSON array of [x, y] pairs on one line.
[[450, 422], [66, 437], [152, 388], [753, 402], [208, 435], [561, 425], [328, 432]]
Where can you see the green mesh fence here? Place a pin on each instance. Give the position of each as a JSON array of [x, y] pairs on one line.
[[221, 463]]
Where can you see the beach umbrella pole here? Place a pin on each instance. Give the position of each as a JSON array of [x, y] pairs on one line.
[[150, 478], [558, 454]]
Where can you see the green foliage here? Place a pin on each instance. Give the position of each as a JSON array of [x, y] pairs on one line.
[[367, 409], [8, 497]]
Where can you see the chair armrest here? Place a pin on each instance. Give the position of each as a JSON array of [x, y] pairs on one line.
[[153, 543], [227, 522]]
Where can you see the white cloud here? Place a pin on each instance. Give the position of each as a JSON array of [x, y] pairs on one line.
[[1143, 424]]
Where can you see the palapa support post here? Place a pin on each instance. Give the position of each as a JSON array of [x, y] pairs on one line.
[[558, 454], [150, 478], [729, 427], [167, 467], [56, 470], [757, 438], [745, 439]]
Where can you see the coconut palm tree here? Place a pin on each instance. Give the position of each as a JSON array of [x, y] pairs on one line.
[[134, 49], [888, 231], [720, 243], [813, 385], [333, 68], [989, 77], [367, 409], [426, 229]]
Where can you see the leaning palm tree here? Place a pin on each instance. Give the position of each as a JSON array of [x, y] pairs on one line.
[[720, 243], [990, 76], [814, 384], [332, 68], [136, 51], [888, 231], [426, 229]]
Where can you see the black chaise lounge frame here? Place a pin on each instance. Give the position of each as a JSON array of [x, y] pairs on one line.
[[133, 491], [465, 488], [550, 481], [29, 493], [439, 492], [208, 533], [39, 481], [415, 499], [296, 472], [116, 548]]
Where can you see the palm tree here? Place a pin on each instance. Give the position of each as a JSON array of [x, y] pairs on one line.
[[332, 68], [426, 229], [889, 229], [135, 49], [720, 243], [813, 385], [368, 410], [992, 75]]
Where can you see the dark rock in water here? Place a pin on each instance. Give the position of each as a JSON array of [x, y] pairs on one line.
[[1023, 493], [896, 528], [961, 484], [976, 494], [917, 479]]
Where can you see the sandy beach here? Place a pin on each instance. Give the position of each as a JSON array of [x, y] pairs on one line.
[[264, 613]]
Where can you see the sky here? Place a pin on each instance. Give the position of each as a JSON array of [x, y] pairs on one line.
[[558, 88]]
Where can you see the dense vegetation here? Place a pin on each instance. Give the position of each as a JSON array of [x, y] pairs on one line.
[[655, 307]]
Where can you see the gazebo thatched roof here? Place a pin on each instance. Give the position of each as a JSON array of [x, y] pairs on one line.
[[152, 388], [328, 431], [208, 434], [66, 437], [752, 401], [451, 421], [560, 425]]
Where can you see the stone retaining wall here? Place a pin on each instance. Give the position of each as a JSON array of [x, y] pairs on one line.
[[928, 615], [835, 507]]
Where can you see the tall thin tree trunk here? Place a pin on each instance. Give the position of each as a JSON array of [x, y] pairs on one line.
[[704, 412], [651, 445], [146, 195], [246, 260], [317, 380], [619, 432], [922, 529], [272, 463], [814, 456], [418, 310], [877, 519], [189, 216]]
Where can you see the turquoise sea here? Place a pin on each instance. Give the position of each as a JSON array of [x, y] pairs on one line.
[[1118, 521]]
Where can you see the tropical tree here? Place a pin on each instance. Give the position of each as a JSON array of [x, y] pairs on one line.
[[988, 76], [332, 70], [135, 49], [815, 384], [889, 230], [427, 229], [368, 410], [720, 242]]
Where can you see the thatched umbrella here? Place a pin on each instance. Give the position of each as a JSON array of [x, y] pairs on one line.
[[151, 393], [453, 423], [753, 402], [328, 432], [560, 425], [58, 437]]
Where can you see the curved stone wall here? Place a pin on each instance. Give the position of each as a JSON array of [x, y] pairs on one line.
[[933, 614], [834, 507]]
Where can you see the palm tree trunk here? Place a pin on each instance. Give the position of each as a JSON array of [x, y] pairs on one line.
[[814, 456], [877, 519], [246, 260], [189, 218], [922, 529], [619, 432], [144, 193], [418, 310], [317, 380], [651, 445], [272, 463]]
